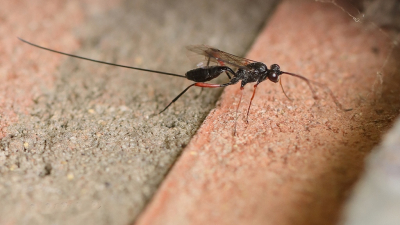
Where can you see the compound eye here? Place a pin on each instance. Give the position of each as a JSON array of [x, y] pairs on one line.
[[274, 77]]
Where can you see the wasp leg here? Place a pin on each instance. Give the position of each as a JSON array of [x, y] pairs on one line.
[[200, 84], [248, 110]]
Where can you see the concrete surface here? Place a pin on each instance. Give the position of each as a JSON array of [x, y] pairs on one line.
[[82, 143], [295, 161]]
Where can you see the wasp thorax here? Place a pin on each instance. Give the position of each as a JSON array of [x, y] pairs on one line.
[[262, 67]]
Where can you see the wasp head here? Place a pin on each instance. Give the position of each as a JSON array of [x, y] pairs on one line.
[[274, 73]]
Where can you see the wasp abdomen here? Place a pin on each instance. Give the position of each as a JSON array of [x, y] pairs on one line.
[[204, 74]]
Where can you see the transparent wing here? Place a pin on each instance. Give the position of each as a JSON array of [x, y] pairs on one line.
[[220, 57], [198, 60]]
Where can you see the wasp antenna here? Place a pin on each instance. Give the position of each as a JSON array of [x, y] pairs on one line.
[[280, 82], [305, 79], [102, 62], [326, 88]]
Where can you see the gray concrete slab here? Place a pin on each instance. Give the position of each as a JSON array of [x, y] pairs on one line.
[[93, 149]]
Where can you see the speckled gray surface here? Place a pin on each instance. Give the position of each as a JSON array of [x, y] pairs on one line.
[[94, 149]]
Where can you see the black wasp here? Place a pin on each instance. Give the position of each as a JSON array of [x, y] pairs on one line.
[[235, 67]]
